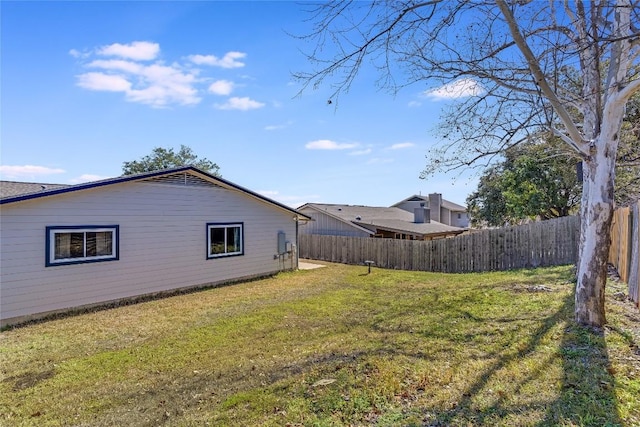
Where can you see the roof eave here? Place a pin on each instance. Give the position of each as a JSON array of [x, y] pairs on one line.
[[417, 233], [146, 175], [344, 221]]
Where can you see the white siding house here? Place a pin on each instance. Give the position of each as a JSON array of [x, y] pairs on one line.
[[327, 223], [94, 243], [369, 221], [440, 209]]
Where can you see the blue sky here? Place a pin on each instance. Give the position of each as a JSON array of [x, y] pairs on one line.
[[86, 86]]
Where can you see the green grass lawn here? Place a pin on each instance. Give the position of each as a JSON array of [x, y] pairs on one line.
[[333, 347]]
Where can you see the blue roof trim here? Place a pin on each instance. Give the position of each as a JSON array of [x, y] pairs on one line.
[[136, 177], [93, 184]]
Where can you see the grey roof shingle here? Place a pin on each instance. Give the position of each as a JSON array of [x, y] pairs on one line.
[[14, 188], [454, 207]]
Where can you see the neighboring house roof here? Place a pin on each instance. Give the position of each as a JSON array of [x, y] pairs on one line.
[[17, 192], [391, 219], [445, 203], [14, 188]]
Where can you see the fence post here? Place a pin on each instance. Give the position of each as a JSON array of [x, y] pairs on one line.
[[634, 273], [552, 242]]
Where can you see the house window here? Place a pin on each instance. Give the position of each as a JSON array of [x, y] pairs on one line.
[[81, 244], [459, 216], [224, 240]]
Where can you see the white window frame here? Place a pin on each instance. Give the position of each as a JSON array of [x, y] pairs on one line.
[[53, 231], [225, 226]]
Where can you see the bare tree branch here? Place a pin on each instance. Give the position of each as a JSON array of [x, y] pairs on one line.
[[576, 141], [567, 68]]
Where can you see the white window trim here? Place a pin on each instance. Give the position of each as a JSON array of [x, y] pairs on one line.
[[225, 226], [51, 239]]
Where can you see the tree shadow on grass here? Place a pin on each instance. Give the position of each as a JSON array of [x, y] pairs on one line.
[[585, 395]]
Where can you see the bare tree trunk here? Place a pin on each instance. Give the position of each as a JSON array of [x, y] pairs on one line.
[[596, 214]]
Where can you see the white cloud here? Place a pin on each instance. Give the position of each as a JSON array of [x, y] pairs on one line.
[[379, 160], [414, 104], [161, 96], [117, 65], [27, 171], [77, 54], [402, 145], [268, 193], [326, 144], [165, 85], [87, 177], [242, 104], [103, 82], [289, 200], [156, 84], [229, 60], [360, 152], [139, 51], [135, 71], [278, 127], [459, 89], [221, 87]]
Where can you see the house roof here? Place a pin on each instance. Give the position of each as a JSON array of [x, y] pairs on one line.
[[445, 203], [391, 219], [14, 188], [13, 192]]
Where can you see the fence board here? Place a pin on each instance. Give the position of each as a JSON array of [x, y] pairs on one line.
[[624, 253], [550, 242], [545, 243], [619, 255], [634, 270]]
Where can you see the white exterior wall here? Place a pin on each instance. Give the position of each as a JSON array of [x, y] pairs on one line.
[[447, 216], [328, 225], [162, 244], [409, 206], [450, 217], [462, 222]]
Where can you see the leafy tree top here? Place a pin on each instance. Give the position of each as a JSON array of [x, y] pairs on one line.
[[166, 158], [535, 180]]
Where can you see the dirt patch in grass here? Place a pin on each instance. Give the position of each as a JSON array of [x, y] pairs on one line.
[[531, 288], [333, 347], [28, 379]]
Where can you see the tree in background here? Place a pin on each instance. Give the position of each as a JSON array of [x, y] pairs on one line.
[[487, 206], [510, 56], [163, 158], [539, 180], [534, 181], [628, 165]]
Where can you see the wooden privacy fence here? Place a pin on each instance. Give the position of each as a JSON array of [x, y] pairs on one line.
[[539, 244], [624, 254]]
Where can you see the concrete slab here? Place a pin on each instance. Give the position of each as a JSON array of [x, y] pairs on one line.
[[305, 265]]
